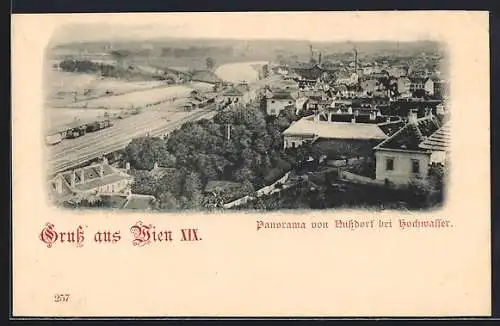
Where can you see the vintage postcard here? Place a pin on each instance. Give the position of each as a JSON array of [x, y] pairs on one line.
[[251, 164]]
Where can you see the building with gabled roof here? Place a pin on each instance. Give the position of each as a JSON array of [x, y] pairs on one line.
[[232, 95], [95, 179], [309, 129], [400, 158], [278, 101]]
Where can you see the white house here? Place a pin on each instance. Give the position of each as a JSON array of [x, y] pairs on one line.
[[403, 84], [277, 102], [400, 158], [429, 86]]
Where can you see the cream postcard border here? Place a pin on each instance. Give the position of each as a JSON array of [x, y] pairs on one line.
[[239, 271]]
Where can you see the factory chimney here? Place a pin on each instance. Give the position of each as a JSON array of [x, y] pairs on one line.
[[311, 54], [319, 59], [355, 59]]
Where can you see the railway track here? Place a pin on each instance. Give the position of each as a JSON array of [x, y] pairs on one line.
[[115, 140]]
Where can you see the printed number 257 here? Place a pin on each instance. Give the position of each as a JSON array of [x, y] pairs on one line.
[[61, 297]]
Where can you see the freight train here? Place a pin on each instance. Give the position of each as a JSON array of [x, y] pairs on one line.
[[76, 131]]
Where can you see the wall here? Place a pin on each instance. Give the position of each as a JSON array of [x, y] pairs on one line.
[[288, 141], [403, 85], [359, 179], [402, 173], [114, 187], [429, 87], [267, 190], [275, 106]]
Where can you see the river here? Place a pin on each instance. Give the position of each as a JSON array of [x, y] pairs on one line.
[[239, 72]]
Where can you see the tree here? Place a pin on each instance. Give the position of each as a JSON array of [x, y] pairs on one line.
[[167, 201], [120, 56], [192, 190], [210, 63], [243, 174]]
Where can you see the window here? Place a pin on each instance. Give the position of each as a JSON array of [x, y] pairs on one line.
[[272, 102], [415, 166], [389, 164]]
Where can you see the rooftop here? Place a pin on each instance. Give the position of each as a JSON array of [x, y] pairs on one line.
[[99, 182], [232, 92], [335, 130], [439, 140], [411, 135], [92, 178], [280, 95]]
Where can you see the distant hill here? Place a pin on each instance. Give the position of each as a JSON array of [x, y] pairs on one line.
[[176, 51]]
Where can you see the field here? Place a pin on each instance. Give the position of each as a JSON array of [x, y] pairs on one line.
[[139, 98], [62, 85], [81, 96], [57, 117]]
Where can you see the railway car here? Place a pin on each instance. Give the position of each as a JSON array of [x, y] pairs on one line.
[[53, 139], [98, 125], [77, 132]]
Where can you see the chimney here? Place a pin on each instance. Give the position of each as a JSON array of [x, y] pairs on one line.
[[58, 183], [82, 175], [127, 166], [155, 166], [101, 170], [73, 179], [412, 116], [319, 59], [105, 160]]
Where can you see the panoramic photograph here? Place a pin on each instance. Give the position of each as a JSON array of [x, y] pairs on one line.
[[146, 119]]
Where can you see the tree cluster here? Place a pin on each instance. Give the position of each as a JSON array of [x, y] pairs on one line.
[[240, 145]]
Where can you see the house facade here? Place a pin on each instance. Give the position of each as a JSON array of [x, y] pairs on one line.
[[399, 167], [400, 158], [430, 86], [277, 102], [404, 84], [232, 95], [417, 84]]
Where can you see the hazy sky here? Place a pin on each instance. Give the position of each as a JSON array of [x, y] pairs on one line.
[[318, 26]]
